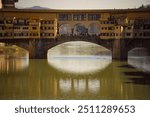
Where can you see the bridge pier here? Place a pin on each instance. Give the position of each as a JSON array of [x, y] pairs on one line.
[[119, 50], [31, 49], [37, 50], [41, 54]]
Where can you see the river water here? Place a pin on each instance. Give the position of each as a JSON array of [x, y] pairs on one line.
[[75, 71]]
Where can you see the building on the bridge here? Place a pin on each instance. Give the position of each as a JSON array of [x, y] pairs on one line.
[[8, 3], [48, 24]]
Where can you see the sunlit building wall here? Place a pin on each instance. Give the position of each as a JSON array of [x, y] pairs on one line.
[[48, 24], [0, 4]]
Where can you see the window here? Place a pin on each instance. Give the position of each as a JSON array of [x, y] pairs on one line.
[[146, 27], [25, 34], [79, 17], [10, 28], [42, 22], [34, 28], [25, 28], [17, 34], [34, 34], [111, 22], [47, 34], [147, 21], [93, 16], [1, 34], [136, 27], [141, 34], [65, 17], [21, 22], [128, 34], [51, 34], [129, 28], [111, 34], [110, 28], [2, 27], [104, 34], [17, 28], [42, 28], [42, 34], [8, 34], [147, 34], [52, 22], [101, 22], [8, 21], [1, 22], [47, 21], [51, 28]]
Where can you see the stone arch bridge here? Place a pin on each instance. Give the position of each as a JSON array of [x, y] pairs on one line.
[[38, 48]]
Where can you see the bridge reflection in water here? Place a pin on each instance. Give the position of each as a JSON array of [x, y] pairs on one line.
[[80, 86], [12, 65], [42, 79], [79, 65]]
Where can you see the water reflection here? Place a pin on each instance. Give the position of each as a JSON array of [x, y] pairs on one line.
[[75, 76], [65, 85], [141, 63], [94, 86], [79, 65], [13, 64], [115, 82], [79, 86]]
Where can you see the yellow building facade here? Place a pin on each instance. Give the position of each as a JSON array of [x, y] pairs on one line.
[[48, 24]]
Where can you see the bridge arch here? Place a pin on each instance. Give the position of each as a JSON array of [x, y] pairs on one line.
[[137, 43], [139, 51], [102, 43], [104, 52], [25, 44], [94, 29], [13, 50], [79, 49]]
